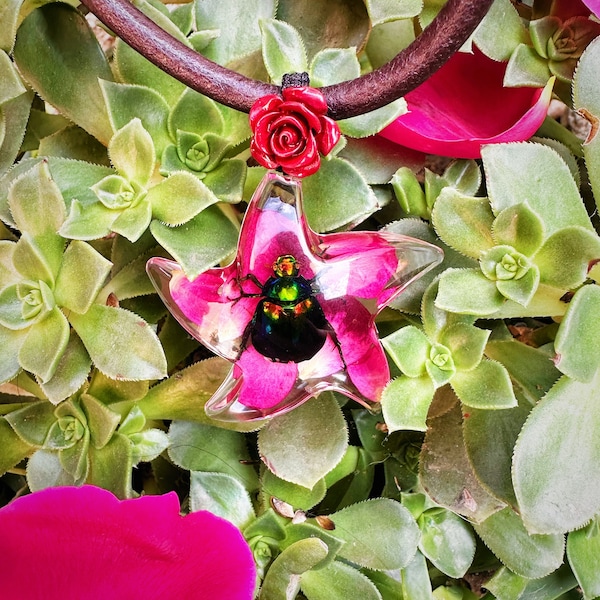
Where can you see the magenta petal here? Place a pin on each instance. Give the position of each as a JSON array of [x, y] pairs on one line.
[[464, 105], [594, 6], [264, 383], [72, 543], [363, 355], [211, 307]]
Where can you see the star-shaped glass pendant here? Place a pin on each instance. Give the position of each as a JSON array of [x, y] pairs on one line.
[[295, 311]]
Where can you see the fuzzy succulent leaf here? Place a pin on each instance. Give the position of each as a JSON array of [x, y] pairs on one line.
[[380, 534], [77, 60], [528, 555], [405, 402], [282, 49], [319, 443], [121, 344], [223, 495], [556, 456]]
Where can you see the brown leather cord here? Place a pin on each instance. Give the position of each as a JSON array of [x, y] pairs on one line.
[[445, 35]]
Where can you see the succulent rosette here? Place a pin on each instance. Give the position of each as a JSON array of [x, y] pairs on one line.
[[295, 311], [89, 544], [292, 131]]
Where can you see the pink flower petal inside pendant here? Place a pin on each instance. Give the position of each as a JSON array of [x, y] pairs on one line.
[[295, 311]]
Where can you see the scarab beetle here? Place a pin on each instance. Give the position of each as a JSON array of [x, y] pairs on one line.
[[288, 324]]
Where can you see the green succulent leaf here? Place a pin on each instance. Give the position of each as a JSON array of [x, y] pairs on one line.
[[121, 344], [78, 63], [587, 100], [227, 180], [486, 386], [409, 348], [530, 556], [337, 196], [82, 273], [37, 207], [133, 68], [334, 65], [337, 580], [238, 25], [557, 456], [440, 365], [463, 223], [110, 467], [297, 496], [102, 421], [529, 368], [29, 260], [133, 221], [10, 342], [409, 193], [577, 343], [468, 291], [510, 169], [485, 430], [89, 222], [383, 11], [44, 470], [223, 495], [415, 579], [131, 152], [466, 344], [319, 443], [32, 422], [518, 226], [45, 344], [282, 580], [526, 68], [405, 403], [183, 396], [282, 49], [179, 198], [565, 257], [195, 113], [501, 31], [523, 289], [445, 470], [373, 122], [112, 391], [192, 447], [583, 546], [13, 123], [126, 102], [70, 374], [14, 449], [380, 534], [447, 541], [218, 235]]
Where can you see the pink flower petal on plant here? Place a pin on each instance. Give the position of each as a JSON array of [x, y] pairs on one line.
[[70, 543], [464, 105], [594, 6]]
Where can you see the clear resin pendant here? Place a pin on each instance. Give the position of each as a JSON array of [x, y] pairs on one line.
[[295, 311]]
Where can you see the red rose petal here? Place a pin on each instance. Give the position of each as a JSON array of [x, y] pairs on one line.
[[312, 97]]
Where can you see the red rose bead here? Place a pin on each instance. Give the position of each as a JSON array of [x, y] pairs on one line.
[[292, 131]]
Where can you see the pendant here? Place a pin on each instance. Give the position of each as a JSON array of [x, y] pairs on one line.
[[295, 311]]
